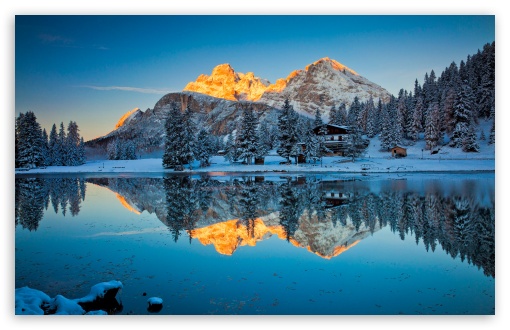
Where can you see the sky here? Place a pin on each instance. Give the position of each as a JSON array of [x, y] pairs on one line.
[[94, 68]]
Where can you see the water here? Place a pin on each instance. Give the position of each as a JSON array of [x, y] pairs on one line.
[[286, 245]]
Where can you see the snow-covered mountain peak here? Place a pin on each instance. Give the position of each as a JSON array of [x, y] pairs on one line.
[[227, 84], [332, 64], [127, 117]]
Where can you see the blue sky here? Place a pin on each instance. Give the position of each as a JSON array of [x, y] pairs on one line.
[[93, 69]]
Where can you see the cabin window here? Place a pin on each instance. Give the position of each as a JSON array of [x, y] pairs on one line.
[[332, 194]]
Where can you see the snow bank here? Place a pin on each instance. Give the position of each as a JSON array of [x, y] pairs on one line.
[[30, 301]]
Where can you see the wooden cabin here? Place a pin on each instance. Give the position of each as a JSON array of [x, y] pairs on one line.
[[336, 138], [397, 151]]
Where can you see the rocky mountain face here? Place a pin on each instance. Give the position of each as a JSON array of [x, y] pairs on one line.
[[147, 128]]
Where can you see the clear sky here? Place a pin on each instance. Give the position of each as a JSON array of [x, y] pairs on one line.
[[93, 69]]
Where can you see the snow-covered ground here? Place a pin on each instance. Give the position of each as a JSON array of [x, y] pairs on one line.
[[418, 160]]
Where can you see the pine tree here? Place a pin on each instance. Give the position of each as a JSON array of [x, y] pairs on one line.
[[332, 115], [248, 136], [287, 131], [356, 146], [72, 143], [265, 139], [417, 128], [432, 132], [111, 150], [318, 119], [53, 147], [189, 136], [354, 110], [462, 115], [386, 127], [341, 115], [173, 156], [203, 149], [310, 142], [231, 153], [29, 142], [469, 143], [61, 145], [46, 157], [371, 118]]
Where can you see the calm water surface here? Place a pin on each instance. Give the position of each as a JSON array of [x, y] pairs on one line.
[[321, 244]]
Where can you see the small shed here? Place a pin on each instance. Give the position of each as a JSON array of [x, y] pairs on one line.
[[397, 151]]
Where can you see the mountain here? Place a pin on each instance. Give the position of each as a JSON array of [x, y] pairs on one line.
[[321, 85], [217, 100], [225, 83]]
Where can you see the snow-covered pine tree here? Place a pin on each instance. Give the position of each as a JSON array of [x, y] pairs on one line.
[[462, 115], [386, 135], [310, 142], [432, 132], [265, 139], [354, 110], [248, 136], [318, 119], [371, 118], [203, 148], [230, 149], [402, 113], [469, 144], [111, 150], [189, 136], [72, 143], [362, 119], [416, 127], [46, 157], [53, 146], [174, 154], [287, 136], [129, 150], [341, 115], [332, 115], [28, 135], [61, 143], [356, 146]]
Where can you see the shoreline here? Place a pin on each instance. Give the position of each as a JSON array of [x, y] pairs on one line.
[[337, 165]]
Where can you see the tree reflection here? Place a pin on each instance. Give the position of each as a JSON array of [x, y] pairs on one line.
[[33, 196]]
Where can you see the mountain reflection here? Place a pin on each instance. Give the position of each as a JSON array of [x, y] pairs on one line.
[[326, 217]]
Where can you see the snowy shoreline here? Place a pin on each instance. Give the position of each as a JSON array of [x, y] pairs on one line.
[[272, 165]]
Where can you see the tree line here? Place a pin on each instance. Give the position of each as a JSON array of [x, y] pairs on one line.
[[34, 148]]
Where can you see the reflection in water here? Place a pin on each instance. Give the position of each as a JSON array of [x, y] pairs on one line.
[[324, 216], [33, 196]]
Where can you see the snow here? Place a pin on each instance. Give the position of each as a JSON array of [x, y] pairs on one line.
[[99, 290], [446, 160], [30, 301], [155, 301]]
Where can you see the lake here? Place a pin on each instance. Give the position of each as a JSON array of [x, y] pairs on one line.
[[275, 244]]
